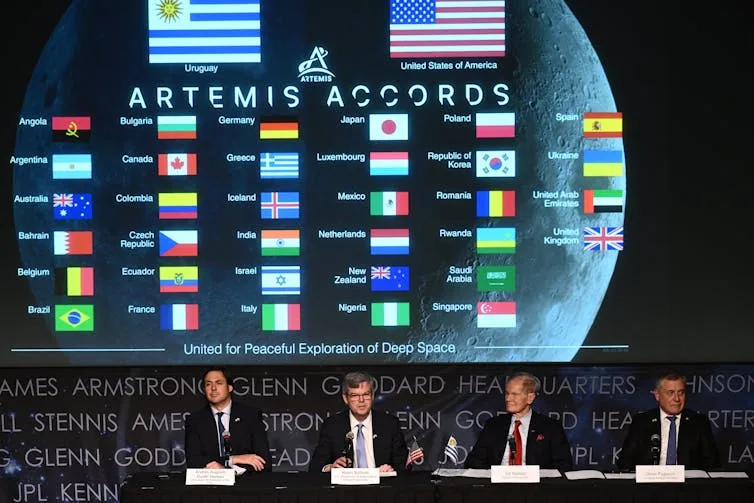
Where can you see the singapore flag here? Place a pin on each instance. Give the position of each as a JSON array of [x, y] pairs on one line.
[[388, 127]]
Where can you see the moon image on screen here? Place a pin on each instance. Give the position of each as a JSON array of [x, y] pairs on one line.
[[97, 56]]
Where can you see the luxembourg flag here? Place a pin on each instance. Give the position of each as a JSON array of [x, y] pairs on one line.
[[179, 317], [389, 241]]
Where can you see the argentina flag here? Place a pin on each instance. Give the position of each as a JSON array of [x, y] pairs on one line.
[[204, 31]]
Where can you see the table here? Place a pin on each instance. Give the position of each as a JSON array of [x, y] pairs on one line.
[[420, 487], [276, 487], [561, 490]]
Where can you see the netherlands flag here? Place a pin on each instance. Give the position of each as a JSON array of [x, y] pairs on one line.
[[179, 317], [389, 241]]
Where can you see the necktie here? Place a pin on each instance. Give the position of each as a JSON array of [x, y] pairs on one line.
[[220, 430], [671, 458], [518, 459], [361, 450]]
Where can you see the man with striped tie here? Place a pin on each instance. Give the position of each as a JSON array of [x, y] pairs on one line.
[[374, 437]]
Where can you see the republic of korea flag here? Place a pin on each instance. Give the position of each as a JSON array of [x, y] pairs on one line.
[[388, 127]]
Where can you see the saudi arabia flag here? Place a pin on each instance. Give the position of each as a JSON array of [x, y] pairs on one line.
[[390, 314]]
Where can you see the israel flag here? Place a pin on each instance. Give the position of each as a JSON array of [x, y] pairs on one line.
[[204, 31]]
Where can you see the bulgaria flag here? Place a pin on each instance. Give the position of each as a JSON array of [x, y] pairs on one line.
[[279, 317], [176, 164], [390, 314], [176, 127], [496, 314], [497, 125], [179, 317], [388, 203]]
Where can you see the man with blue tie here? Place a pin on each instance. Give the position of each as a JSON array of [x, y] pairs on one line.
[[225, 432], [374, 436], [671, 434]]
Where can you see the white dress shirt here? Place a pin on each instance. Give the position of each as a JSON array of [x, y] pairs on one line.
[[368, 433], [524, 431], [226, 427], [665, 433]]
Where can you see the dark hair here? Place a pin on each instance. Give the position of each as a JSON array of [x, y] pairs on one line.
[[669, 376], [354, 379], [530, 383], [224, 371]]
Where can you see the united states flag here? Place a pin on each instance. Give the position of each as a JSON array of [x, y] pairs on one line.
[[447, 28], [603, 238], [415, 453]]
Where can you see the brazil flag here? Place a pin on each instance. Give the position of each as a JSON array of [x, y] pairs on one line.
[[74, 318]]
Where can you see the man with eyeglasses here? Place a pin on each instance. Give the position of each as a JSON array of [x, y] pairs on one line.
[[670, 434], [375, 436], [522, 436]]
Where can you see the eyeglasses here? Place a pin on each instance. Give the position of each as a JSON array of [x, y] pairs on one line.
[[359, 396]]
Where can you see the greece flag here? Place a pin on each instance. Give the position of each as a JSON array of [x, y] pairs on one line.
[[204, 31]]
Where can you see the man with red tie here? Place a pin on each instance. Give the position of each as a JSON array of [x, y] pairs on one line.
[[522, 436]]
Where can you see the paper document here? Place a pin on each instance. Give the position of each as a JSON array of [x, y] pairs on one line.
[[584, 474], [471, 472], [728, 475], [621, 476], [695, 474], [549, 473]]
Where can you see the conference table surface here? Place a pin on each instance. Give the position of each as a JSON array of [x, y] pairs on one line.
[[421, 487]]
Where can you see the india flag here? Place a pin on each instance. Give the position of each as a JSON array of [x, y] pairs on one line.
[[279, 317], [390, 314]]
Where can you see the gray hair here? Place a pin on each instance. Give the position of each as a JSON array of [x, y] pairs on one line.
[[670, 376], [530, 382], [354, 379]]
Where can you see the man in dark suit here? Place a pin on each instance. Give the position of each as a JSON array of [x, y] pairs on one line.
[[522, 436], [225, 425], [670, 434], [377, 438]]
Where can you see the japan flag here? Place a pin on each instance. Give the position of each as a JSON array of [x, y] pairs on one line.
[[388, 127]]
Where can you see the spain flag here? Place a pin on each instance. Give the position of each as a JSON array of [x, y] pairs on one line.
[[603, 125]]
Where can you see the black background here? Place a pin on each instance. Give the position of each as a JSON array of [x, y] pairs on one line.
[[680, 77]]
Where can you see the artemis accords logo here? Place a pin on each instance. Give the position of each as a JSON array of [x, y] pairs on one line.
[[315, 69]]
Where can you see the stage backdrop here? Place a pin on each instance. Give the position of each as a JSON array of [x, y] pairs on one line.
[[74, 434]]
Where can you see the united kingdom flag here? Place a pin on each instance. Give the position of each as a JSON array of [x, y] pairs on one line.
[[381, 272], [603, 238]]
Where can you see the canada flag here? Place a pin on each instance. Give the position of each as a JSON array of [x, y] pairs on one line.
[[177, 164]]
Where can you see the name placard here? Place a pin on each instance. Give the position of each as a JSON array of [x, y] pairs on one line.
[[210, 477], [520, 474], [354, 476], [647, 474]]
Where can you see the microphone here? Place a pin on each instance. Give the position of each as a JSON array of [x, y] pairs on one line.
[[655, 449], [347, 451], [228, 450], [512, 447]]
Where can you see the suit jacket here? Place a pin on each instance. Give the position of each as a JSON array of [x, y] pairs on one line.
[[388, 441], [546, 444], [247, 435], [696, 447]]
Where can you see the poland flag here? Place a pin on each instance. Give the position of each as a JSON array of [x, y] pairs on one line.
[[388, 127]]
